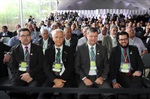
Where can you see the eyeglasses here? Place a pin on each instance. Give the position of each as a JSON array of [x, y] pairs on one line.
[[28, 35], [123, 39]]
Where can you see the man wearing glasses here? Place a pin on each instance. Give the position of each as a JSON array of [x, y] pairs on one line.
[[126, 65], [26, 64]]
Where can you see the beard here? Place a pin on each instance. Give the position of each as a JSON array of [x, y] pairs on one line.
[[124, 46]]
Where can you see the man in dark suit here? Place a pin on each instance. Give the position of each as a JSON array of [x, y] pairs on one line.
[[45, 41], [5, 32], [92, 63], [3, 66], [69, 40], [126, 65], [26, 64], [58, 65]]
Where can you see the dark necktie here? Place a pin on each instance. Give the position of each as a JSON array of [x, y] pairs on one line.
[[126, 61], [27, 57], [58, 55], [57, 59], [92, 54]]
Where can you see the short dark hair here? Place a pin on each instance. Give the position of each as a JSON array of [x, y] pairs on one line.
[[92, 29], [122, 33], [24, 29], [5, 27]]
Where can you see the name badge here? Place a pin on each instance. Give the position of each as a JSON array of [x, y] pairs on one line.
[[125, 67], [23, 66], [92, 65], [57, 67]]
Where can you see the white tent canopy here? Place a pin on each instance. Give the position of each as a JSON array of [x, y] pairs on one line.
[[103, 4]]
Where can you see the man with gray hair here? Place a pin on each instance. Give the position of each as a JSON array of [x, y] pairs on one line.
[[45, 41], [135, 41], [58, 65]]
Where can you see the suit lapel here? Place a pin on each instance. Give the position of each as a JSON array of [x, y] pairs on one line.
[[42, 42], [110, 40], [64, 54], [97, 54], [52, 54], [87, 57], [20, 53], [118, 55], [31, 53], [130, 54]]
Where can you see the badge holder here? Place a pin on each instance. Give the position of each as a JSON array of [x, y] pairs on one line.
[[93, 68], [125, 67], [23, 66], [57, 67]]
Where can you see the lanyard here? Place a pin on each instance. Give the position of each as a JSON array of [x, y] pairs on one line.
[[125, 57]]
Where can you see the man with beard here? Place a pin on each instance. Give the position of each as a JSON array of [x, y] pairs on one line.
[[126, 65]]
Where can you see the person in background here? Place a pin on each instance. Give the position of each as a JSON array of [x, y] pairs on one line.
[[110, 41], [18, 26], [45, 41], [5, 32], [83, 39], [14, 40], [69, 40], [135, 41]]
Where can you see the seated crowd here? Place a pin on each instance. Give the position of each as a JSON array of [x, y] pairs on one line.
[[70, 51]]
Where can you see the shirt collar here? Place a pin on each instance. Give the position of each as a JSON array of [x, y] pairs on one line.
[[112, 37], [45, 40], [29, 46], [92, 46], [61, 47], [67, 40]]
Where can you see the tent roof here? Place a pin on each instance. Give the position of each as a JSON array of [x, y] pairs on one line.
[[103, 4]]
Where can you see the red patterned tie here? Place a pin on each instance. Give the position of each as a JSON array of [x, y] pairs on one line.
[[126, 57]]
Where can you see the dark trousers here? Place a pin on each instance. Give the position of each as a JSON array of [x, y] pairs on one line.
[[44, 95], [130, 82], [24, 95], [104, 85]]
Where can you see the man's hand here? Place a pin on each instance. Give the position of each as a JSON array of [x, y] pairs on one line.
[[58, 83], [87, 82], [116, 85], [26, 77], [6, 58], [136, 73], [99, 80]]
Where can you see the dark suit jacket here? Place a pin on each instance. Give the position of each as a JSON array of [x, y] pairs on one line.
[[3, 67], [82, 61], [50, 42], [73, 43], [9, 34], [68, 61], [115, 60], [35, 65]]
